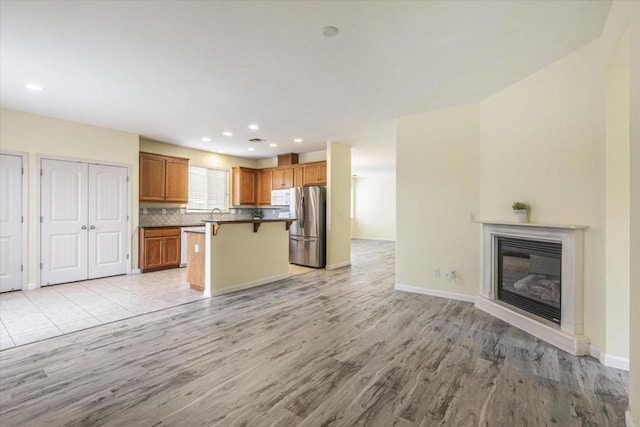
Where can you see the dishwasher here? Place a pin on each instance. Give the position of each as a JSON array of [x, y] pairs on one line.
[[183, 242]]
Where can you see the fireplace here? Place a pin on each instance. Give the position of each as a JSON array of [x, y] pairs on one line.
[[529, 276], [532, 279]]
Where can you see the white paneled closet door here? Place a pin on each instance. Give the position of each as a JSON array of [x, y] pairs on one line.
[[64, 228], [84, 230], [10, 222], [108, 224]]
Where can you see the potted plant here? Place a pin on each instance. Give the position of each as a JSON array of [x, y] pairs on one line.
[[520, 210]]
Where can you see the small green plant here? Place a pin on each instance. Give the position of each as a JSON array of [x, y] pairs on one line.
[[520, 206]]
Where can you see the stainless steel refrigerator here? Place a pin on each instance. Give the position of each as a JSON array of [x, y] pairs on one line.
[[307, 234]]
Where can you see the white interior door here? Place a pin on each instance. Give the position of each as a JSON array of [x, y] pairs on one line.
[[64, 228], [10, 222], [108, 225]]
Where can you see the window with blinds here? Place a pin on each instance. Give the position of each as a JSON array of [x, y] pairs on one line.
[[208, 189]]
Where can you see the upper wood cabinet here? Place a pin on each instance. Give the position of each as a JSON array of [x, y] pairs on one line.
[[265, 179], [282, 178], [243, 186], [163, 179], [314, 173], [297, 176]]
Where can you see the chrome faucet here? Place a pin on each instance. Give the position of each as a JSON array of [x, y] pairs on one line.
[[215, 210]]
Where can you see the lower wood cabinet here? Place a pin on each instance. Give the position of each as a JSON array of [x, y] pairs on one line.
[[159, 248]]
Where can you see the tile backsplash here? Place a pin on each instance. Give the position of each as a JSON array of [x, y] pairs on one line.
[[179, 216]]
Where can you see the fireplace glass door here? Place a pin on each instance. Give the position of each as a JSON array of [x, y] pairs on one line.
[[529, 276]]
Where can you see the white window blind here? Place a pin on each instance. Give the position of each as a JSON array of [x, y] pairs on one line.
[[207, 188]]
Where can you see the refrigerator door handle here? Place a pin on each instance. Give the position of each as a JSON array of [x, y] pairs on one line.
[[301, 211], [304, 239]]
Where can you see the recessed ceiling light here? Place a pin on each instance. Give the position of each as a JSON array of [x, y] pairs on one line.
[[206, 139], [253, 126], [297, 140], [34, 87], [252, 149], [329, 31], [227, 133], [273, 145]]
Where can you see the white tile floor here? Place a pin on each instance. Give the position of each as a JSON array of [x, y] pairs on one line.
[[28, 316]]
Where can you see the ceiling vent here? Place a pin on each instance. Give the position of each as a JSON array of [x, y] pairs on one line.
[[257, 140]]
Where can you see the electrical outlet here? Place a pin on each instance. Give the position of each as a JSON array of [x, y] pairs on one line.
[[164, 211], [436, 272]]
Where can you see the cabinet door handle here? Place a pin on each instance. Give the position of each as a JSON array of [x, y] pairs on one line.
[[93, 227], [84, 227]]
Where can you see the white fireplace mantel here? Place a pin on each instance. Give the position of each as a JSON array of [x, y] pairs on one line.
[[569, 334]]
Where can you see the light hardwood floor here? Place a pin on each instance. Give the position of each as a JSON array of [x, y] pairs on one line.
[[319, 349]]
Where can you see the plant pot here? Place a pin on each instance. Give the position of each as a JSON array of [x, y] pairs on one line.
[[520, 216]]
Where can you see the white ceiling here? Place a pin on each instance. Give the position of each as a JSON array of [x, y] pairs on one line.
[[176, 71]]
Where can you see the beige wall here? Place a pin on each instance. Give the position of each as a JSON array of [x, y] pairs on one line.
[[374, 200], [631, 11], [338, 205], [617, 209], [437, 189], [241, 259], [542, 141], [45, 136], [196, 157]]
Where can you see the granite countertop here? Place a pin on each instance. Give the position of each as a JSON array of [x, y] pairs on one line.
[[247, 220], [199, 224], [223, 219]]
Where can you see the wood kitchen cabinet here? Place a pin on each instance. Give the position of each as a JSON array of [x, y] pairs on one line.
[[163, 179], [314, 173], [159, 248], [297, 176], [282, 178], [265, 179], [244, 186]]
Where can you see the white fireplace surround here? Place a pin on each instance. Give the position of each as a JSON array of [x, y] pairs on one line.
[[569, 334]]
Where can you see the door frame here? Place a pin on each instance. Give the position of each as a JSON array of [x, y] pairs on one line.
[[24, 230], [38, 178]]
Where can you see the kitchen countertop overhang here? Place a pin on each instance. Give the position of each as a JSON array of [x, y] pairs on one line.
[[256, 222]]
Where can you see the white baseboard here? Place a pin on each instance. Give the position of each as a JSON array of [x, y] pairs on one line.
[[247, 285], [434, 293], [628, 418], [384, 239], [31, 286], [609, 359], [338, 265], [136, 271], [616, 362]]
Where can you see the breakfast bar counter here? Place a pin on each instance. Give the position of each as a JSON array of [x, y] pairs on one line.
[[235, 254]]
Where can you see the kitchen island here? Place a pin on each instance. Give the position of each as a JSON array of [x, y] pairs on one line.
[[236, 254]]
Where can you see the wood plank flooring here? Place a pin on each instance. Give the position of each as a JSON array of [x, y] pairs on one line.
[[325, 348]]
